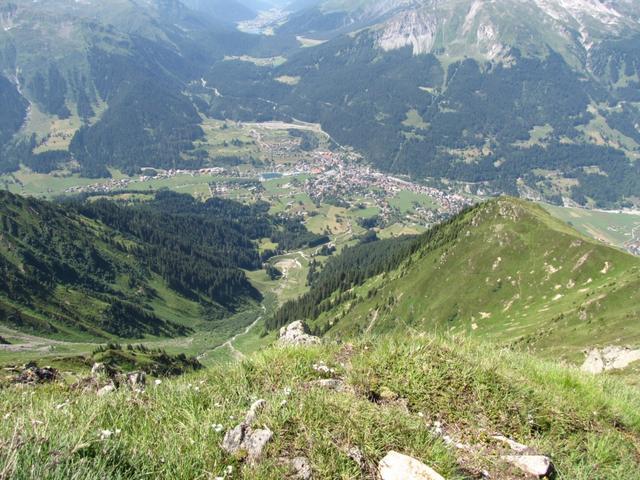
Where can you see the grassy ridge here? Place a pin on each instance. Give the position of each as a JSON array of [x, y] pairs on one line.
[[505, 271], [589, 426]]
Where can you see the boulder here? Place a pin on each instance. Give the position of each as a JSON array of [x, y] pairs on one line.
[[537, 465], [296, 333], [396, 466]]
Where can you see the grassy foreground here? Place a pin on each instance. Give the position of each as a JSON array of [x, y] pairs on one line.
[[395, 390]]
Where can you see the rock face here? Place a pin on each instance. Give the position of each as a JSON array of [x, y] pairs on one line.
[[244, 438], [537, 465], [609, 358], [296, 333], [396, 466]]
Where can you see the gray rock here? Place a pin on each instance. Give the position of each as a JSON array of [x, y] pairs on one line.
[[396, 466], [609, 358], [136, 379], [98, 369], [255, 441], [244, 438], [302, 467], [255, 408], [537, 465], [106, 390], [355, 454], [234, 438], [513, 445], [296, 333]]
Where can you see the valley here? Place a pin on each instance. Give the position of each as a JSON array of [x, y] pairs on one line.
[[320, 239]]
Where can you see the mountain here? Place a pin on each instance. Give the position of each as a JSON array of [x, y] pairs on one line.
[[505, 270], [100, 270], [93, 85], [502, 96], [231, 11]]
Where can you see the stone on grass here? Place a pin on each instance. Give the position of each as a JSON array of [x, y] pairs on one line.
[[396, 466], [537, 465], [513, 445], [243, 438], [296, 333], [302, 468], [106, 389], [136, 379], [255, 408]]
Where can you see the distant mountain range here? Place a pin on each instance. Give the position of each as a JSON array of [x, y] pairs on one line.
[[535, 98]]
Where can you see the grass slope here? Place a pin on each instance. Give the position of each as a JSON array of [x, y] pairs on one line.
[[506, 271], [396, 389]]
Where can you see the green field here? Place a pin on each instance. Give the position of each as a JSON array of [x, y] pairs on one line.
[[406, 201], [614, 228]]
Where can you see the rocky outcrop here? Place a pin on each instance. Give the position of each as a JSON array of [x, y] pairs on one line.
[[296, 333], [396, 466], [536, 465], [33, 374], [609, 358], [244, 439]]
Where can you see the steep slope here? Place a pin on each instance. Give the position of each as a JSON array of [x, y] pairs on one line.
[[438, 401], [505, 270], [100, 270]]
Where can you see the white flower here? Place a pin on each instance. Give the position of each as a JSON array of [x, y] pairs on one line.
[[104, 434], [228, 470], [287, 391], [420, 414], [157, 381], [6, 416], [217, 427], [283, 403]]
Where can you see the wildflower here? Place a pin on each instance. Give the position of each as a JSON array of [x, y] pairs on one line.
[[157, 381], [217, 427], [283, 403], [228, 470], [6, 416], [104, 434], [287, 391], [420, 414]]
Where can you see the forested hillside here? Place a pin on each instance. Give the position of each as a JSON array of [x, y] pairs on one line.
[[101, 269]]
